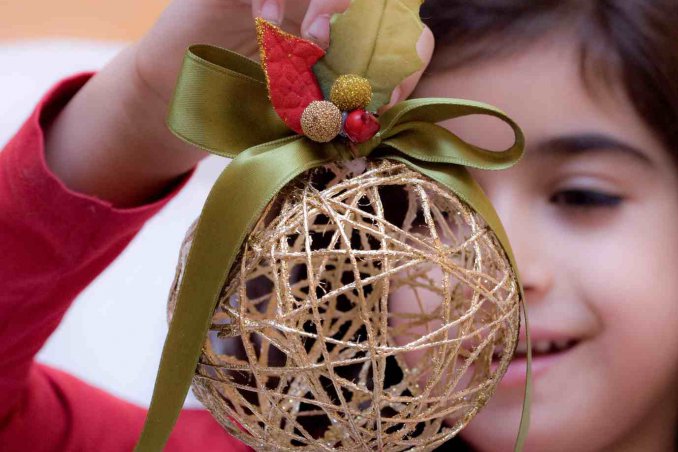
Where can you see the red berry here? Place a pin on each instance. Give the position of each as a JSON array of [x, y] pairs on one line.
[[361, 125]]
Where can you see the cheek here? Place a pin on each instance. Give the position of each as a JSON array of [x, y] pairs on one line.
[[629, 277], [628, 280]]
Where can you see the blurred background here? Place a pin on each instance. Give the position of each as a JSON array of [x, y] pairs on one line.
[[112, 336], [119, 20], [43, 41]]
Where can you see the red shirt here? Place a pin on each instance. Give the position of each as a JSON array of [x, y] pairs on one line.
[[53, 243]]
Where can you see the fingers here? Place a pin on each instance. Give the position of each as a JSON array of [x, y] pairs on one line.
[[425, 46], [316, 23], [271, 10], [316, 27]]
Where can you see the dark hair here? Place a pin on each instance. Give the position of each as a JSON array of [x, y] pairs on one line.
[[634, 42]]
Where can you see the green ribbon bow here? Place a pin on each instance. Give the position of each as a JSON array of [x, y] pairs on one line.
[[221, 105]]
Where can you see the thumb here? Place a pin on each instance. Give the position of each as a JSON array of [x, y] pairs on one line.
[[425, 46]]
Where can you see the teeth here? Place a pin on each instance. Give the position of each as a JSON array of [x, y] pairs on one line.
[[561, 344], [545, 346], [542, 346]]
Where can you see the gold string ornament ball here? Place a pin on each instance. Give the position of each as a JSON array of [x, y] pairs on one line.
[[321, 121], [351, 92], [370, 309]]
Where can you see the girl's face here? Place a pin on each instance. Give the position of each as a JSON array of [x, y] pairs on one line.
[[592, 215]]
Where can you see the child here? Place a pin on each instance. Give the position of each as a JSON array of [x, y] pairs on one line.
[[590, 211]]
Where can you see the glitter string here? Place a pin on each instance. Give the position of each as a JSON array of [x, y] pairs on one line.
[[369, 311]]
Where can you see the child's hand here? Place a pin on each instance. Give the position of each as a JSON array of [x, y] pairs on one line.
[[111, 140]]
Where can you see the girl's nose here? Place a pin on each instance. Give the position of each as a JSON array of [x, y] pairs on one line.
[[531, 244]]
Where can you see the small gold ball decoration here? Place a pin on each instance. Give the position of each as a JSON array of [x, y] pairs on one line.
[[350, 92], [321, 121], [370, 309]]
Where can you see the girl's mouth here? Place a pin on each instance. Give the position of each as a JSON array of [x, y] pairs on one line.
[[545, 353], [539, 348]]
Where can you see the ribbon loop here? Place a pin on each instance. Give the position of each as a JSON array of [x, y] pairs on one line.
[[221, 103], [412, 125], [437, 109]]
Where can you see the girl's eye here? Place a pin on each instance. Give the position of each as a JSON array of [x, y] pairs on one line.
[[585, 199]]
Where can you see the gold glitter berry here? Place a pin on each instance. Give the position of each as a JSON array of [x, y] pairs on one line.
[[321, 121], [350, 92]]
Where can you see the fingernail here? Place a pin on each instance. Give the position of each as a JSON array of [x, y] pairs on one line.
[[270, 11], [395, 96], [319, 30]]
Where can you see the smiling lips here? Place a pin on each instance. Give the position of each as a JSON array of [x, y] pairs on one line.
[[540, 347], [545, 353]]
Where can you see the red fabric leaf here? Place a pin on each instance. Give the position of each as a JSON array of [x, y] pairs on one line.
[[288, 62]]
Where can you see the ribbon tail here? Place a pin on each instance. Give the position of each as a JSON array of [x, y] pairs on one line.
[[527, 399], [235, 203]]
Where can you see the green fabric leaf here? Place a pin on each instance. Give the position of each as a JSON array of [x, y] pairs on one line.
[[375, 39], [414, 5]]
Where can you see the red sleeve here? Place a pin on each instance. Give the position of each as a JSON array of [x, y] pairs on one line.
[[53, 243]]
